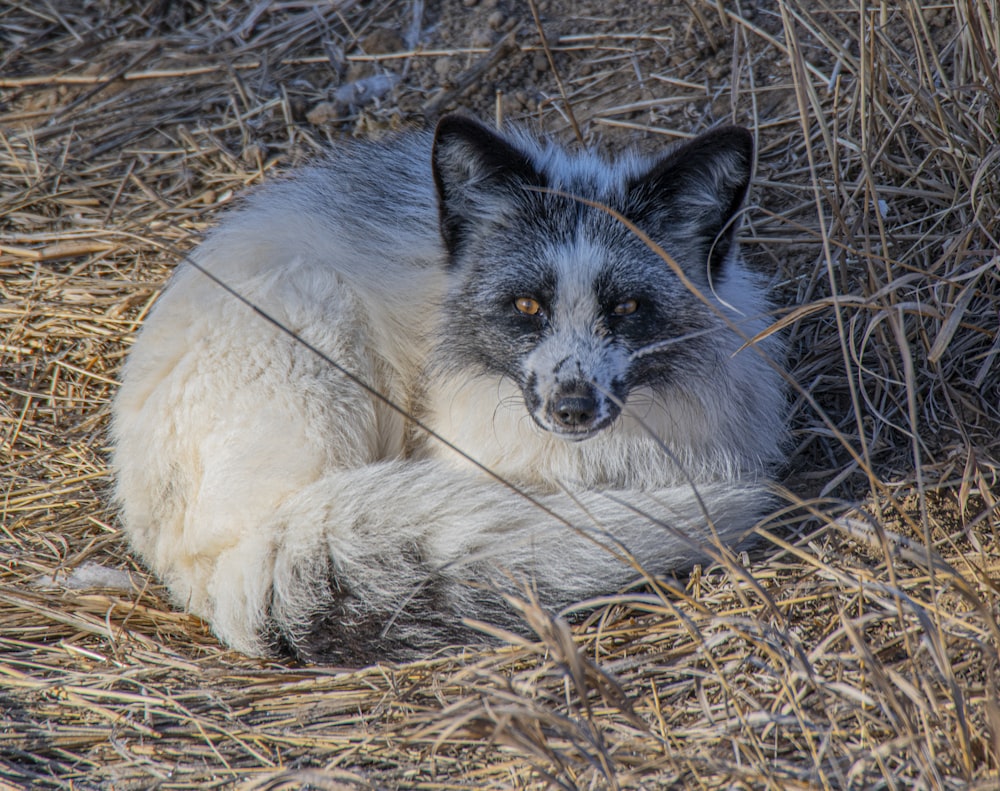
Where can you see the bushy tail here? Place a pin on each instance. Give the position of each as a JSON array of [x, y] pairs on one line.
[[385, 561]]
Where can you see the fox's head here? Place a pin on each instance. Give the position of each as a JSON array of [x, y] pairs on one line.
[[554, 291]]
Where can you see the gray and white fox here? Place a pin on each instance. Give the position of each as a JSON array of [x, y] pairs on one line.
[[487, 284]]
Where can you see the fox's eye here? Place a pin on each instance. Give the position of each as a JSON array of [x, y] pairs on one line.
[[626, 308], [527, 306]]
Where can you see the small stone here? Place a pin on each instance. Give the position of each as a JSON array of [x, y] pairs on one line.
[[443, 67], [496, 20], [254, 154], [481, 39], [322, 113], [382, 42], [359, 70], [717, 70]]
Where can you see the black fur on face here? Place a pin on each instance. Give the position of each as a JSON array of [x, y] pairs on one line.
[[513, 229], [476, 173], [692, 195]]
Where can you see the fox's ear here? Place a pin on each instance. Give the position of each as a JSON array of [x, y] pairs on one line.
[[692, 195], [479, 176]]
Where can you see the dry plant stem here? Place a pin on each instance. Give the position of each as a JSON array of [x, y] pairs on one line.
[[856, 648], [567, 105], [808, 105]]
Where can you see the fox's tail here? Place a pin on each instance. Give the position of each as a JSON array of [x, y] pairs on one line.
[[385, 561]]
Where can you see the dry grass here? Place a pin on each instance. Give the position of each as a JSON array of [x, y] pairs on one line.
[[858, 649]]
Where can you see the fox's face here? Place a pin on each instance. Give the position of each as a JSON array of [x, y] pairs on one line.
[[558, 293]]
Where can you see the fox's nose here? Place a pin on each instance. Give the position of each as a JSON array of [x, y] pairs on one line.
[[575, 410]]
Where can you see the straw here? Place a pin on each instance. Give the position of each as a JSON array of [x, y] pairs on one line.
[[855, 647]]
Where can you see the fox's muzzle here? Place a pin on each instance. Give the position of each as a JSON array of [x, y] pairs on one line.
[[578, 411]]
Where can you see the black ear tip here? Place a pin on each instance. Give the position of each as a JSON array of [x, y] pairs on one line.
[[738, 139], [457, 125], [451, 121]]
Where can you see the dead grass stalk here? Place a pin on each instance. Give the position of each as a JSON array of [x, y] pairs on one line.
[[857, 649]]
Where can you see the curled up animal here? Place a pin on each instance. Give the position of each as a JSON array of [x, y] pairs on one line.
[[458, 363]]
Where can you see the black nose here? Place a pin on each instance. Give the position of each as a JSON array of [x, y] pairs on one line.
[[575, 411]]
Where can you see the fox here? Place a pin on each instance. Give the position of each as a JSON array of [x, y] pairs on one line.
[[427, 374]]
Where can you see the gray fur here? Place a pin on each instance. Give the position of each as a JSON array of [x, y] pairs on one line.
[[297, 512]]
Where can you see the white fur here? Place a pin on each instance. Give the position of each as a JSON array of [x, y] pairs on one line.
[[246, 465]]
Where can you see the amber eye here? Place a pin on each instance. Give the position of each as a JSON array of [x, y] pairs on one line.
[[626, 308], [527, 306]]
